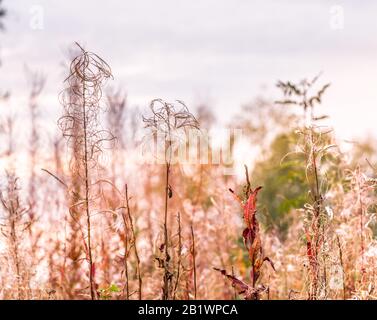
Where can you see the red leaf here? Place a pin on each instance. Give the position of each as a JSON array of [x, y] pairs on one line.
[[250, 209], [241, 286]]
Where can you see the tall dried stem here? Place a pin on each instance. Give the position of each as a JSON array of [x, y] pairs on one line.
[[81, 128], [134, 245], [167, 123], [37, 82], [314, 147]]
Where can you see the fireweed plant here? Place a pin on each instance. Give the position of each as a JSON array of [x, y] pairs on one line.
[[80, 126], [314, 145], [167, 124], [253, 244]]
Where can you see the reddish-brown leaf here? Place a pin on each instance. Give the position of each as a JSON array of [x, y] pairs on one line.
[[250, 209], [241, 286]]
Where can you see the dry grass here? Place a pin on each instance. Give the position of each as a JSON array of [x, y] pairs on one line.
[[95, 223]]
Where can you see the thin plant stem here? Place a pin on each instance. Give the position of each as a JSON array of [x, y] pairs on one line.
[[140, 280], [179, 255], [193, 252]]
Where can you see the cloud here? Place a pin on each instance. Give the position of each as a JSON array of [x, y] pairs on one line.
[[179, 48]]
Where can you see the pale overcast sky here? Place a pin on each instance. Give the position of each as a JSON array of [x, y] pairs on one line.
[[219, 51]]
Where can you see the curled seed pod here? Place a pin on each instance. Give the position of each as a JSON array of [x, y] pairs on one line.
[[82, 103]]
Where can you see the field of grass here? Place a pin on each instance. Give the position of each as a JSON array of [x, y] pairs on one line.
[[108, 201], [103, 215]]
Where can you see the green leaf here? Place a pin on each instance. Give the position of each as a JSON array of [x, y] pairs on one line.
[[114, 288]]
